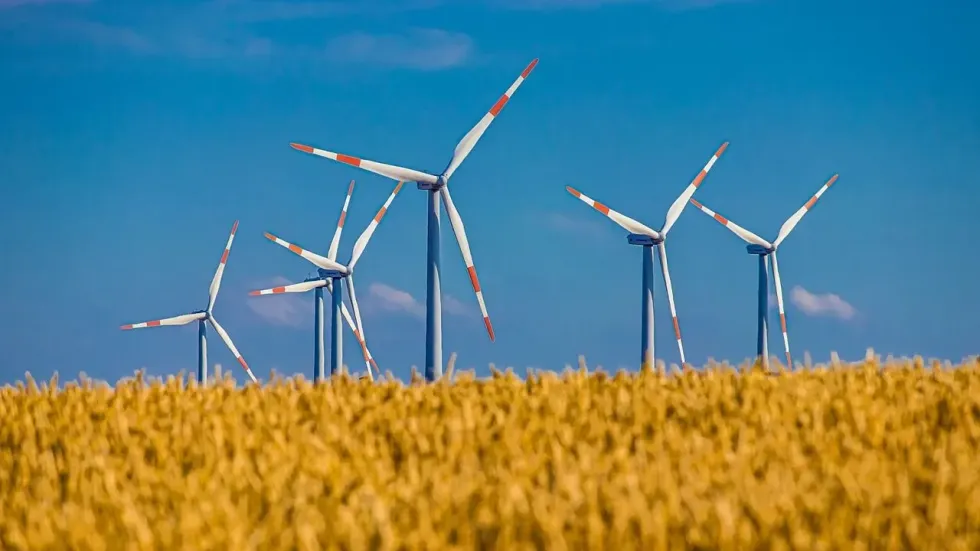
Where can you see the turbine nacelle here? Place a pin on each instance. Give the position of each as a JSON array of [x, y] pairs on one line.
[[329, 274], [644, 240], [434, 186], [759, 250]]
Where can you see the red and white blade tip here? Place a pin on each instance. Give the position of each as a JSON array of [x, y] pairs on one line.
[[530, 67], [273, 291], [301, 147]]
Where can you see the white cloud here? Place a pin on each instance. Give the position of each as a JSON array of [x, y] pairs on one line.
[[290, 310], [17, 3], [421, 49], [454, 307], [581, 225], [826, 304], [386, 298]]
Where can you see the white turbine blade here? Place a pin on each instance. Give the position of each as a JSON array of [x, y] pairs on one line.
[[216, 281], [349, 281], [365, 237], [335, 242], [353, 328], [791, 223], [670, 299], [317, 260], [389, 171], [176, 320], [620, 219], [675, 210], [782, 312], [292, 288], [468, 142], [231, 346], [745, 234], [464, 247]]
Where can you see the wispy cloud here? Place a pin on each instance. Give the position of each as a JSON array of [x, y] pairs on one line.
[[547, 5], [826, 304], [581, 225], [232, 30], [23, 3], [289, 310], [223, 29], [421, 49], [385, 298]]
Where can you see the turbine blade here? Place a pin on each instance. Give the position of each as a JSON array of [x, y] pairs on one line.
[[365, 237], [176, 320], [353, 328], [675, 210], [231, 346], [670, 300], [745, 234], [292, 288], [349, 281], [216, 281], [791, 223], [335, 242], [464, 247], [468, 142], [317, 260], [389, 171], [620, 219], [782, 311]]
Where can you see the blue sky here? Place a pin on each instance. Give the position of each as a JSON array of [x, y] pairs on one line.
[[135, 134]]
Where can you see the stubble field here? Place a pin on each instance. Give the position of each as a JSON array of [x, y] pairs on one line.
[[883, 455]]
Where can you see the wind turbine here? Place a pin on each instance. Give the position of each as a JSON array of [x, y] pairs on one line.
[[766, 250], [331, 272], [437, 186], [317, 283], [202, 317], [648, 238]]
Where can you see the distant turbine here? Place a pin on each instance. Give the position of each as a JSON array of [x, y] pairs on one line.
[[331, 271], [318, 283], [437, 186], [649, 238], [763, 249], [203, 316]]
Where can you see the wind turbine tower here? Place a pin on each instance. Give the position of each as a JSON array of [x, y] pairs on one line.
[[317, 283], [437, 187], [648, 238], [766, 252], [202, 317], [331, 273]]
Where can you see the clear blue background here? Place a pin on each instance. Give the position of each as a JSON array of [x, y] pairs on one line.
[[134, 135]]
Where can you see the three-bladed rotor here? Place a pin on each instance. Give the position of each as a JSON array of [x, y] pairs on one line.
[[330, 265], [784, 231], [208, 313], [658, 237], [440, 182]]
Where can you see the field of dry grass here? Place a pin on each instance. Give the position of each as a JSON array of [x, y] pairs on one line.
[[884, 455]]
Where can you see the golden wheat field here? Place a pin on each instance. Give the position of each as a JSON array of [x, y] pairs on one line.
[[872, 456]]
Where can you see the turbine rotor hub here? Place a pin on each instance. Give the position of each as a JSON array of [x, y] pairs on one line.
[[440, 183], [644, 240]]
